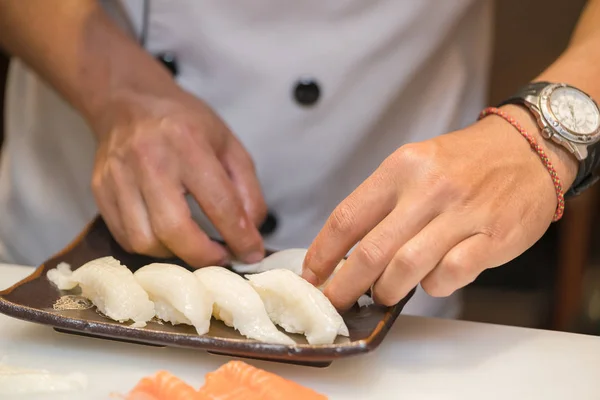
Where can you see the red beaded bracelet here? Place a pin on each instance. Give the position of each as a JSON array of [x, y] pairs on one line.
[[560, 208]]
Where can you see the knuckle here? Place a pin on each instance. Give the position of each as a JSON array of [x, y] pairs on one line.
[[414, 154], [371, 252], [495, 231], [217, 207], [140, 146], [113, 169], [435, 288], [455, 266], [182, 133], [147, 143], [385, 298], [342, 218], [166, 228], [423, 161], [407, 154], [407, 260]]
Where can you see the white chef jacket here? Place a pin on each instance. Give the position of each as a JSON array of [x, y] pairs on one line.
[[378, 74]]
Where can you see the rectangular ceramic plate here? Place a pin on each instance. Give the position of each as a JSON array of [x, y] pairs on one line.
[[35, 299]]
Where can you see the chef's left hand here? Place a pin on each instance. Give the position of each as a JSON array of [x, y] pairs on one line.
[[439, 212]]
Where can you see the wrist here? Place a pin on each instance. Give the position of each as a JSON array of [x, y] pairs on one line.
[[564, 162], [542, 152], [128, 94]]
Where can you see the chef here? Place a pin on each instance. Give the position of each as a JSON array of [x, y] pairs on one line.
[[341, 126]]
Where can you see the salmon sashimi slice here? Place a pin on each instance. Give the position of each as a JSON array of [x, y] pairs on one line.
[[219, 386], [235, 380], [162, 386], [265, 385]]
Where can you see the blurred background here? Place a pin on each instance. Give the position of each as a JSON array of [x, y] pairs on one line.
[[556, 284]]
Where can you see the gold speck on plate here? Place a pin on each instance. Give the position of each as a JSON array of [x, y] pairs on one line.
[[72, 302]]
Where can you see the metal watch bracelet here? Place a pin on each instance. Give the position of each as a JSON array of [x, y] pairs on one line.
[[589, 168]]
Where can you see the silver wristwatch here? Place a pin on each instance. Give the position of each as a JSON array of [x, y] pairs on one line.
[[569, 117]]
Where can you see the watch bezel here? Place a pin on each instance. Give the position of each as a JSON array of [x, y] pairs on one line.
[[554, 123]]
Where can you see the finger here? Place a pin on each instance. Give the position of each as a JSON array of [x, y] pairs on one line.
[[240, 168], [172, 223], [134, 215], [368, 261], [463, 263], [109, 209], [420, 255], [351, 220], [208, 182]]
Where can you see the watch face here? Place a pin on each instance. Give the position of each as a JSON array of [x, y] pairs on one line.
[[574, 110]]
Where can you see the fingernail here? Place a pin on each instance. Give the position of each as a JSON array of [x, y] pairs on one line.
[[310, 276], [254, 257]]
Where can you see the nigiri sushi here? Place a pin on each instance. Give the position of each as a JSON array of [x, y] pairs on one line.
[[110, 286], [290, 259], [297, 306], [178, 296], [239, 306]]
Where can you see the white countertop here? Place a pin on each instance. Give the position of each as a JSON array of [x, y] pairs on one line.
[[422, 358]]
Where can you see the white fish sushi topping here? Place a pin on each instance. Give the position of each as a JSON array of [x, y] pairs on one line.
[[238, 305], [111, 287], [290, 259], [178, 296], [297, 306]]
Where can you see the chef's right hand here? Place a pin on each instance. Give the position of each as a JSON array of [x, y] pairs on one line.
[[153, 150]]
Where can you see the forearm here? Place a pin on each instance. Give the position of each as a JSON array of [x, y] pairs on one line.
[[579, 65], [75, 47]]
